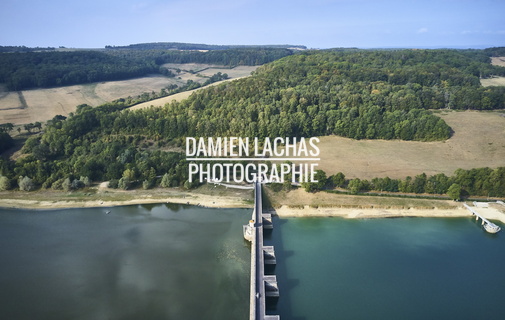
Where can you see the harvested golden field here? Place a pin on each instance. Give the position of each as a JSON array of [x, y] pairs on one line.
[[43, 104], [29, 106], [495, 81], [498, 61], [234, 74], [207, 70], [478, 141], [175, 97], [237, 72], [189, 67]]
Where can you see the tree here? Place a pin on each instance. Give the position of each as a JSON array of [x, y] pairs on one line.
[[147, 184], [28, 127], [113, 184], [58, 184], [286, 185], [308, 187], [26, 184], [338, 179], [355, 185], [77, 184], [454, 192], [7, 127], [67, 184], [6, 141], [320, 176], [165, 181], [124, 183], [129, 174], [5, 183], [86, 181]]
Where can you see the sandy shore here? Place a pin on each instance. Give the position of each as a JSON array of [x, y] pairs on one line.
[[105, 197], [201, 200], [235, 199], [492, 213]]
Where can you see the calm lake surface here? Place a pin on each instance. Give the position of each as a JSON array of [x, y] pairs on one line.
[[184, 262], [407, 268], [138, 262]]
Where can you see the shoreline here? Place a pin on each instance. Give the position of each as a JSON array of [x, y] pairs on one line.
[[200, 200], [100, 196], [493, 212], [490, 213]]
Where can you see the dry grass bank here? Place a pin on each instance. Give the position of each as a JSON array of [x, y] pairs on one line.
[[478, 141]]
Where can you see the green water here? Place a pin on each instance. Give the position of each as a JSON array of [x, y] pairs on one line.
[[183, 262], [138, 262], [409, 268]]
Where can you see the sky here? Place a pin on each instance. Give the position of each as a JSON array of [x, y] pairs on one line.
[[314, 23]]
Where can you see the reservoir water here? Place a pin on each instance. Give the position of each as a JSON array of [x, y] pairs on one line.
[[406, 268], [137, 262], [183, 262]]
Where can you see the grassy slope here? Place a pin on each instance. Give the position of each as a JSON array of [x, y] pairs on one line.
[[478, 141]]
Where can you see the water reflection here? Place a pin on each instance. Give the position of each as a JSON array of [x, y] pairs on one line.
[[138, 262]]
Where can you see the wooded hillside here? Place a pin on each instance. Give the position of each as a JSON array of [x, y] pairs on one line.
[[357, 94]]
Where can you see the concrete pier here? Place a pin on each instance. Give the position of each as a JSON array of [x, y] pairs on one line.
[[488, 225], [269, 255]]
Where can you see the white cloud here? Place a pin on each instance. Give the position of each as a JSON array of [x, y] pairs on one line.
[[422, 30]]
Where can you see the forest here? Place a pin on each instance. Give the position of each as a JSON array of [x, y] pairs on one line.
[[61, 68], [360, 94]]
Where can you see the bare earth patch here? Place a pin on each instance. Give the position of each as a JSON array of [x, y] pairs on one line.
[[478, 141], [494, 81], [498, 61]]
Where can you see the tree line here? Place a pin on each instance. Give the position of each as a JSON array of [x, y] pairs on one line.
[[23, 49], [485, 182], [49, 69]]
